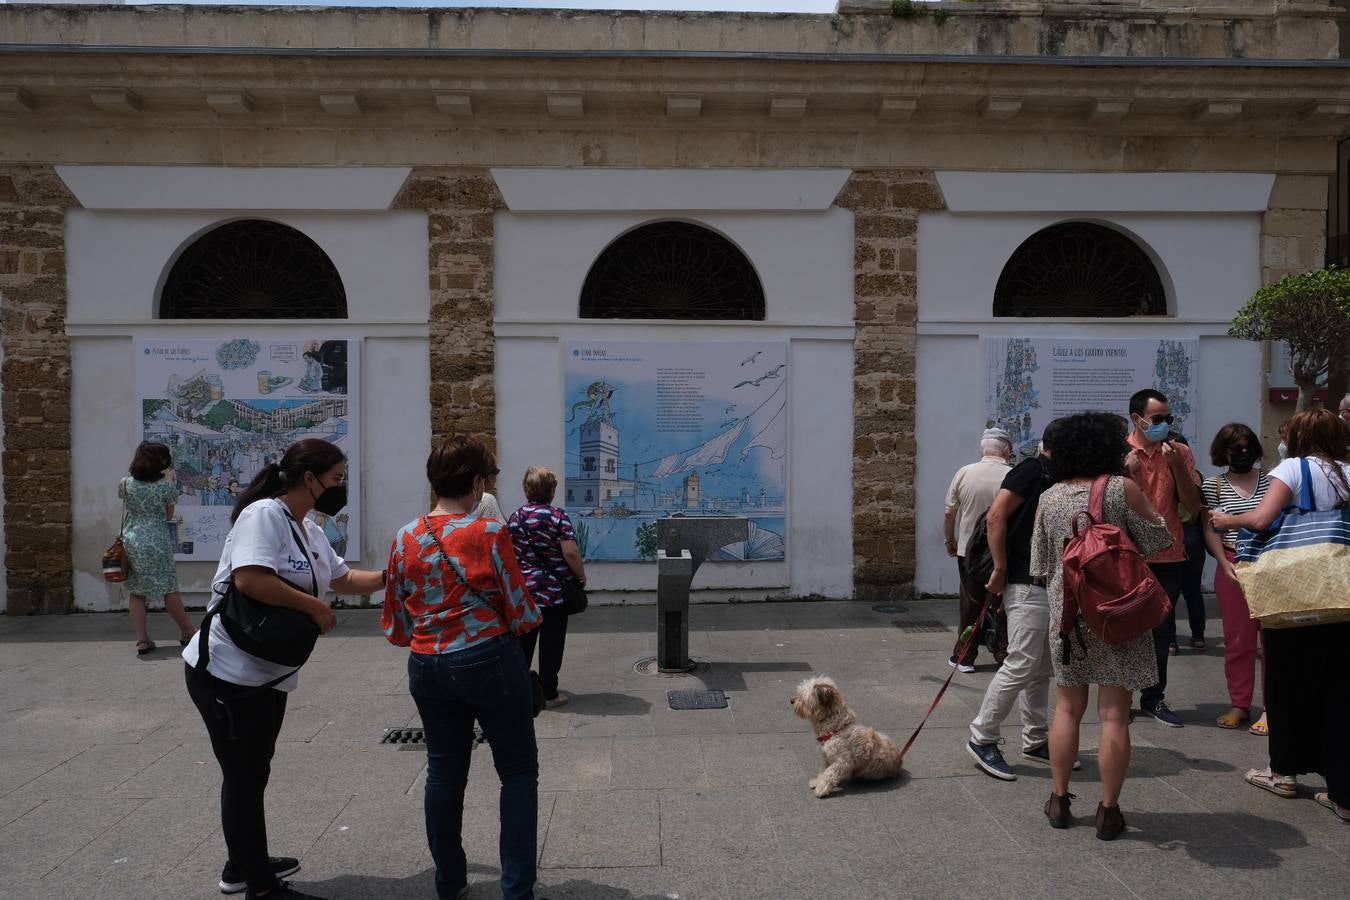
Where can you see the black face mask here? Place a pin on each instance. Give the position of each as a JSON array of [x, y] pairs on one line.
[[1241, 461], [332, 500]]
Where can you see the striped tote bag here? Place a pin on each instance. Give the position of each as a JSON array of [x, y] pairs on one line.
[[1297, 572]]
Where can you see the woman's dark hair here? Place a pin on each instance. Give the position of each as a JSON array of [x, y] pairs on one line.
[[1230, 434], [1320, 434], [310, 455], [1090, 444], [150, 461], [452, 467]]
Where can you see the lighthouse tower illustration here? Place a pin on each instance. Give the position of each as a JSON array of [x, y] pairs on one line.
[[599, 481]]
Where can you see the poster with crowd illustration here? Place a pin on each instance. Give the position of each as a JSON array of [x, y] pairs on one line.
[[226, 408], [1031, 380], [656, 429]]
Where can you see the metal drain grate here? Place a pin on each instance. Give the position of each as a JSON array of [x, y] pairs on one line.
[[922, 626], [647, 666], [406, 738], [697, 699]]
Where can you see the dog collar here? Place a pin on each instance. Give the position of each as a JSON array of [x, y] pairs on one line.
[[831, 734]]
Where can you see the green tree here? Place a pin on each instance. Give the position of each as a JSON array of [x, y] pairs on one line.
[[1310, 314], [220, 415], [645, 540]]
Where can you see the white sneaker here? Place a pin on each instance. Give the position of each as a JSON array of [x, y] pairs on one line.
[[964, 668]]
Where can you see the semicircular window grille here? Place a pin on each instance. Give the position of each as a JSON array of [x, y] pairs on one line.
[[253, 269], [672, 270], [1079, 269]]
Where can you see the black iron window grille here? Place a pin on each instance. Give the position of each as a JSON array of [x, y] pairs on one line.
[[672, 270], [253, 269], [1079, 269]]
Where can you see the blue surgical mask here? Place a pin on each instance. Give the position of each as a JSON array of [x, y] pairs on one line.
[[1158, 431]]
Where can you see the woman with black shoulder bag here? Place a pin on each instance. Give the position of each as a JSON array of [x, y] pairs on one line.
[[266, 611]]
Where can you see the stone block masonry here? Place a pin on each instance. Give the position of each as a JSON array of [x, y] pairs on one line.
[[886, 204], [35, 390], [460, 206]]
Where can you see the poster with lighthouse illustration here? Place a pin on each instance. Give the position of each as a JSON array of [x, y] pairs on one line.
[[657, 429]]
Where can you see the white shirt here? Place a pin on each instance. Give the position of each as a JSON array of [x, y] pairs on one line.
[[262, 537], [1326, 489], [972, 492], [487, 508]]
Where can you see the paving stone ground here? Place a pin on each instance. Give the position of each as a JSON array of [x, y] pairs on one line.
[[108, 788]]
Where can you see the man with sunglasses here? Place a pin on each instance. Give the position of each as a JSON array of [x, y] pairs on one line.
[[1165, 472]]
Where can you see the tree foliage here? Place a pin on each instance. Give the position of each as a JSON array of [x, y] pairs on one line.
[[1310, 314]]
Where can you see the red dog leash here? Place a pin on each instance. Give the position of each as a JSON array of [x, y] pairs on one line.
[[960, 654]]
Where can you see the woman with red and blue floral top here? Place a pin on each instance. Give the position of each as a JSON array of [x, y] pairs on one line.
[[456, 596], [547, 549]]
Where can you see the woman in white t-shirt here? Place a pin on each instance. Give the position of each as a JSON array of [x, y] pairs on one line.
[[277, 556], [1307, 692]]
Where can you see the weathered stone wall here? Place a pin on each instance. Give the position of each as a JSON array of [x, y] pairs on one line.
[[460, 205], [886, 204], [35, 382]]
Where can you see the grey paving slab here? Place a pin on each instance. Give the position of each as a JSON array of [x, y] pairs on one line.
[[44, 838], [604, 828], [108, 786], [670, 761]]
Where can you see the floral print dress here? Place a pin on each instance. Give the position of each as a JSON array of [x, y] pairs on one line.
[[1131, 665], [147, 537]]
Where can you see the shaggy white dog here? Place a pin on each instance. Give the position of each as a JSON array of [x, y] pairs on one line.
[[851, 750]]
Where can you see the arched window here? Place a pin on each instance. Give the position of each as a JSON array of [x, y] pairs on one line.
[[253, 269], [672, 270], [1079, 269]]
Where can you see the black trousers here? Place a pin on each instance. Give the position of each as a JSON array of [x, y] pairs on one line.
[[245, 764], [973, 597], [1191, 587], [551, 635], [1171, 575]]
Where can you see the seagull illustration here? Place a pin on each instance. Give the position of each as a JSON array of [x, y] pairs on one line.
[[751, 358], [771, 374]]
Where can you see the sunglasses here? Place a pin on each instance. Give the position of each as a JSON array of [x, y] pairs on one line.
[[1160, 419]]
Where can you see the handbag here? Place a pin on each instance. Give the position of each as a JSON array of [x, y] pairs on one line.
[[536, 684], [574, 597], [273, 633], [1297, 571], [116, 561]]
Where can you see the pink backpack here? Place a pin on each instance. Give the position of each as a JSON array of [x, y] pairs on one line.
[[1107, 584]]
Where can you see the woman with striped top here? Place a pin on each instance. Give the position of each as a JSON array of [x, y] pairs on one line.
[[1238, 490]]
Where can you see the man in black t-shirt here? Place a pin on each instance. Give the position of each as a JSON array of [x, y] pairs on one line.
[[1027, 670]]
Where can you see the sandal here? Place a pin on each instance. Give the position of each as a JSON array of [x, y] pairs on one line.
[[1172, 650], [1324, 799], [1260, 727], [1285, 786], [1233, 718], [144, 647]]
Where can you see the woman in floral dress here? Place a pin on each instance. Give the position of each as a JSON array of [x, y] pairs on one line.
[[1091, 445], [149, 499]]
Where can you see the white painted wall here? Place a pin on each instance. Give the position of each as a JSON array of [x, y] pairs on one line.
[[116, 262], [805, 261], [1210, 265]]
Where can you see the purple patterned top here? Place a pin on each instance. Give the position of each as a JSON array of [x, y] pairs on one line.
[[536, 532]]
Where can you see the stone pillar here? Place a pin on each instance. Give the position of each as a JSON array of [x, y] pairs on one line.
[[35, 390], [460, 205], [886, 204]]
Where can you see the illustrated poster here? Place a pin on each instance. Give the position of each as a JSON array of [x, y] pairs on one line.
[[226, 408], [655, 429], [1030, 381]]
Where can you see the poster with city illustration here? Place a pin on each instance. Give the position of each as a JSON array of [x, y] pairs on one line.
[[226, 408], [657, 429], [1030, 381]]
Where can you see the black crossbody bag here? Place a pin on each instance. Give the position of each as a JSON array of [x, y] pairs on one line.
[[273, 633]]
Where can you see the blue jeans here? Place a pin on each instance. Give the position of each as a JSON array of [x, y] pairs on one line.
[[487, 682]]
